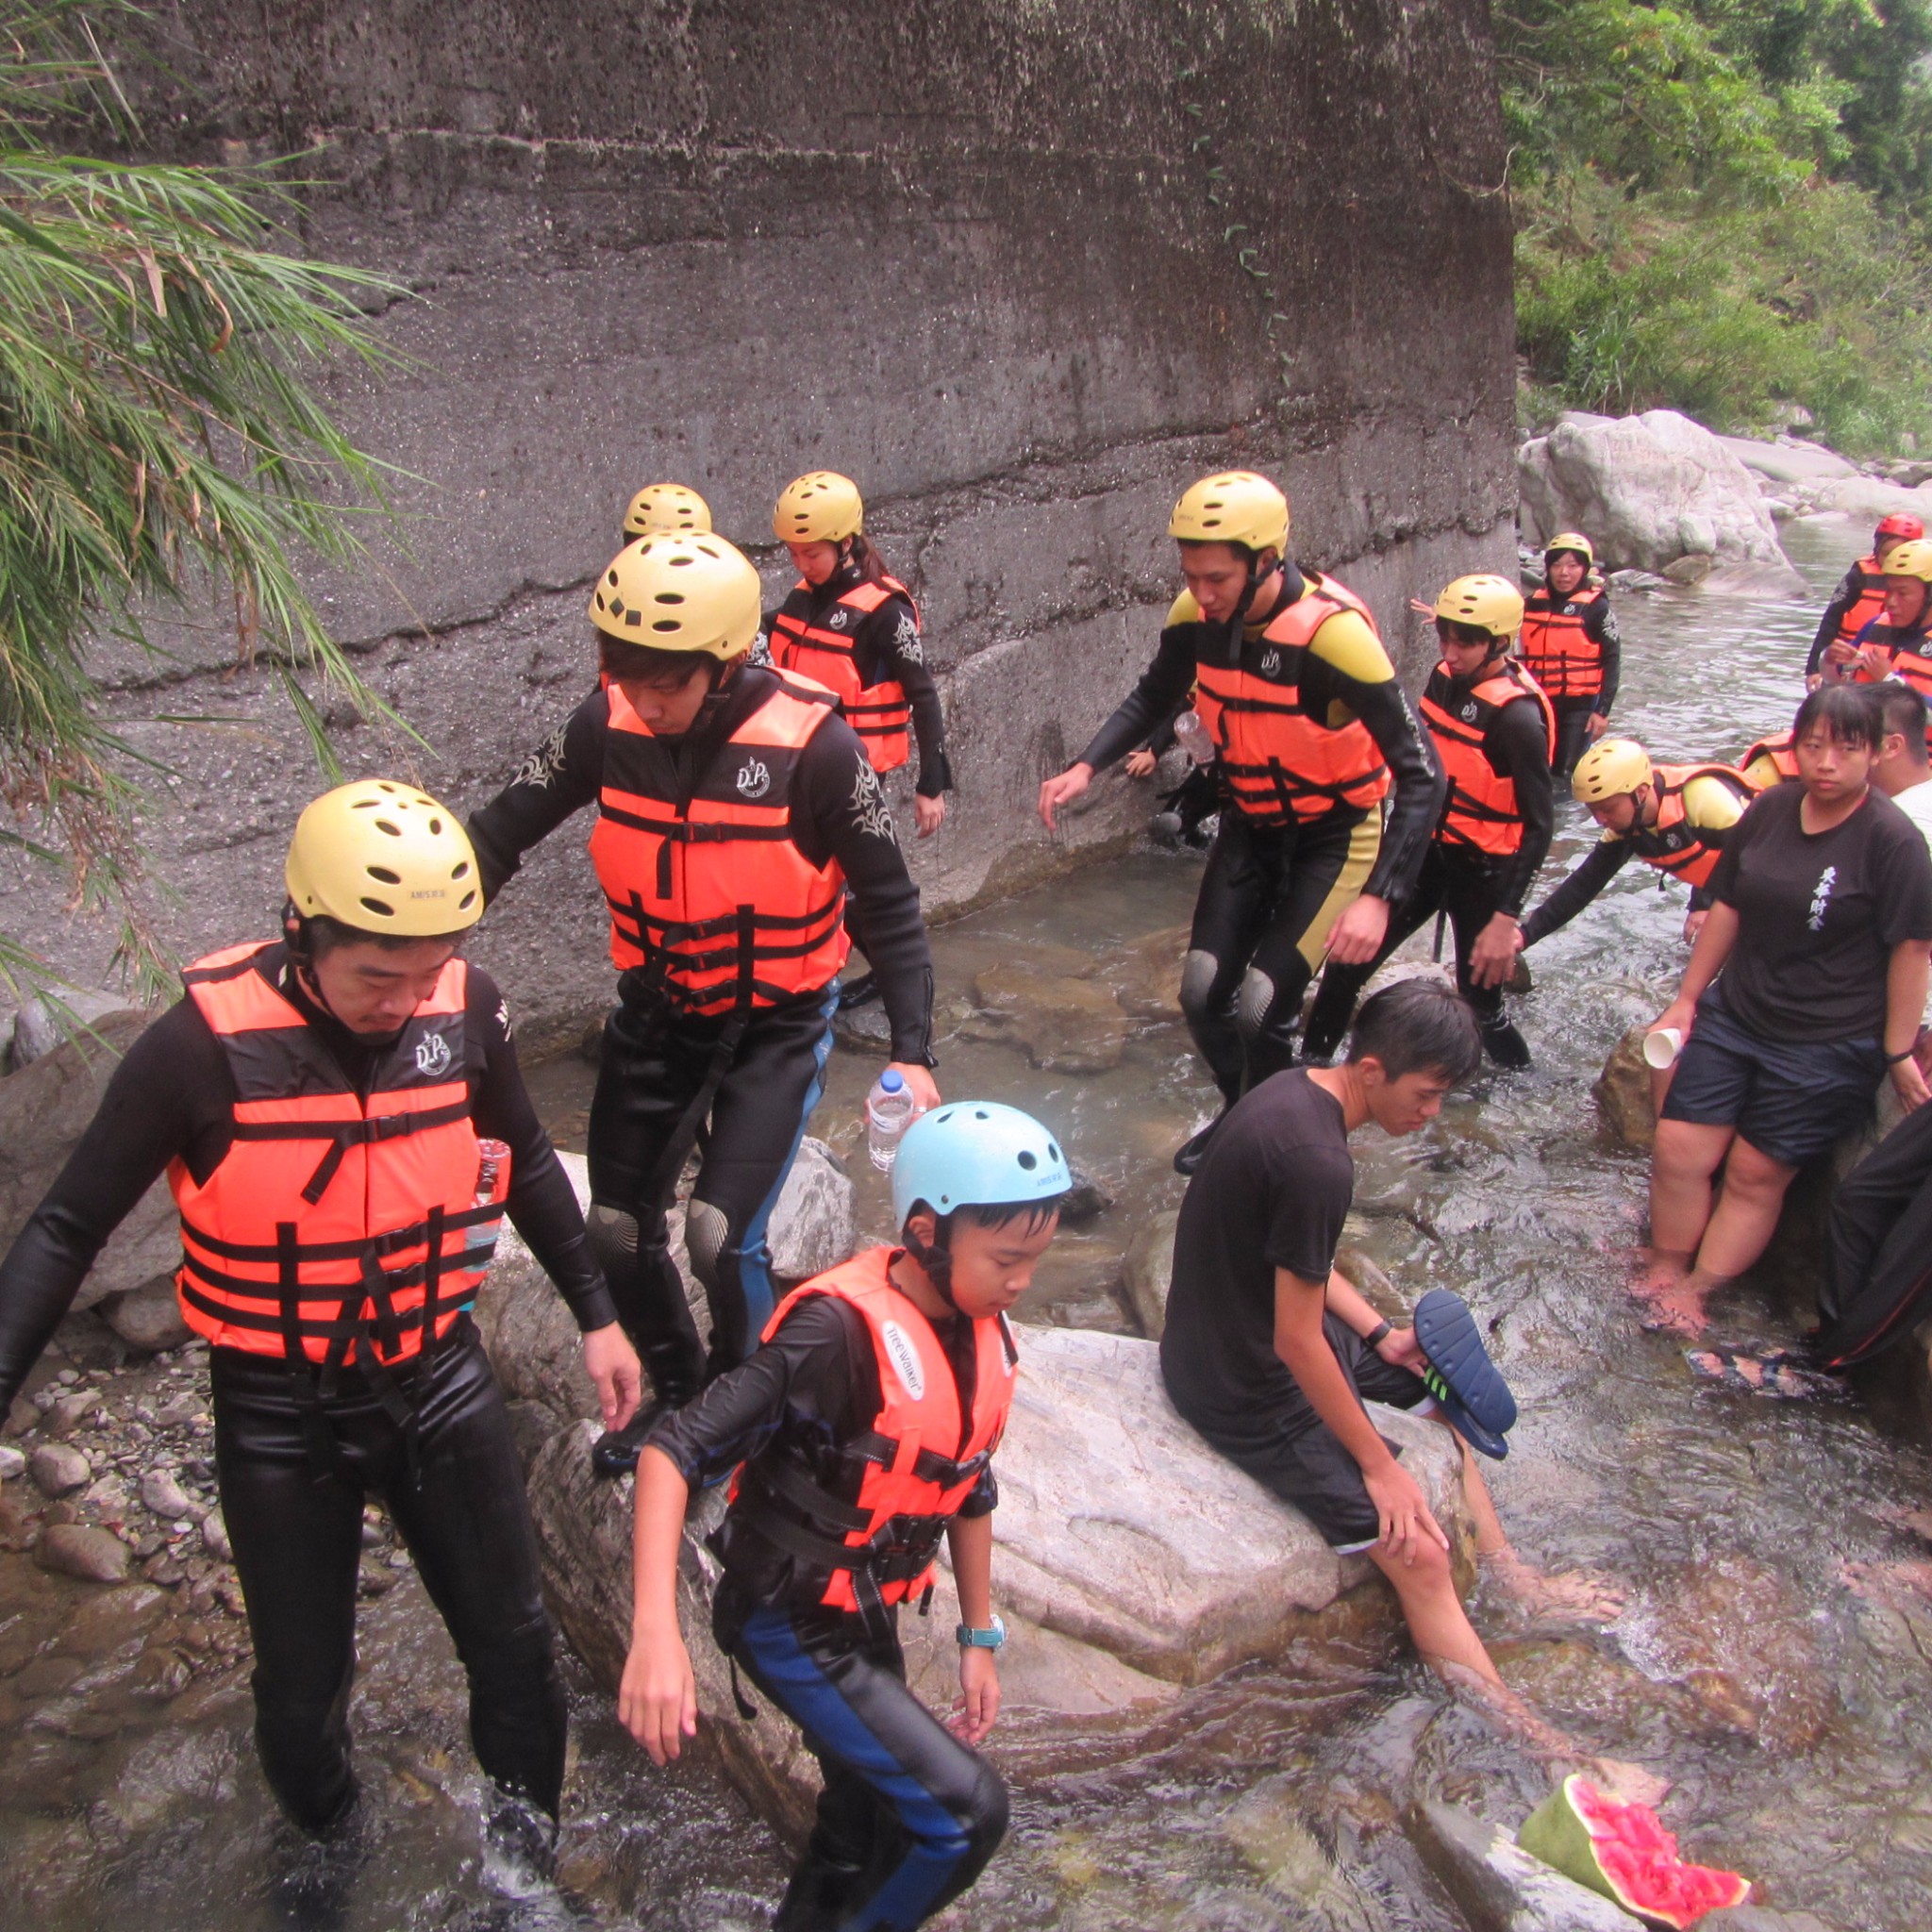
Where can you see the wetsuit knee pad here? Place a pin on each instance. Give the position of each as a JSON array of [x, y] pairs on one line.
[[1199, 970], [1255, 1004], [615, 1236], [707, 1235]]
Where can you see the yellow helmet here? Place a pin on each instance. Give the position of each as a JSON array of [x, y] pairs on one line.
[[681, 593], [1911, 558], [1570, 540], [821, 506], [1483, 603], [384, 858], [1232, 507], [1611, 768], [667, 509]]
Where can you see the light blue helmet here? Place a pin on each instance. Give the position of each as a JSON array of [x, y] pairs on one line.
[[975, 1151]]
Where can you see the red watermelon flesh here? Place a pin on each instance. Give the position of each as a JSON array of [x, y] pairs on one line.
[[1623, 1852]]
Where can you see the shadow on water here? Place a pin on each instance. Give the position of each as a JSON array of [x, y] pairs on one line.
[[1794, 1715]]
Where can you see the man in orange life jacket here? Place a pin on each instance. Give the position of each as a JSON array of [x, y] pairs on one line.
[[1895, 643], [1571, 647], [1494, 733], [317, 1103], [1311, 725], [865, 1427], [734, 807], [849, 624], [1858, 598], [1674, 817]]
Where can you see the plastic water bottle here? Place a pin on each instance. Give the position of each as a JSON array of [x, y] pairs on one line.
[[889, 1111], [480, 1238], [1191, 734]]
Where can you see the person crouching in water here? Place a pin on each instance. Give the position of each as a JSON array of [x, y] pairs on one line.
[[1494, 733], [866, 1425], [1269, 1353], [316, 1102]]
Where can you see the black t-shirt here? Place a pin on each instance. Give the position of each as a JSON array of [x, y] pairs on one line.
[[1271, 1194], [1819, 913]]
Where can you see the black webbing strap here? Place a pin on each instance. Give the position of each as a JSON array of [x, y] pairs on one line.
[[342, 1135]]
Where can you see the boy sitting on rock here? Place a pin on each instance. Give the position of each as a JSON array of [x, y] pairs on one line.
[[866, 1425]]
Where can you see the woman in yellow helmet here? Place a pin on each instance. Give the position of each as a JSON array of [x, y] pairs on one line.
[[1571, 647], [666, 510], [344, 1125]]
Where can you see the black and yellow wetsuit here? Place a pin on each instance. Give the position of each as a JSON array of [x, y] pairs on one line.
[[1313, 729]]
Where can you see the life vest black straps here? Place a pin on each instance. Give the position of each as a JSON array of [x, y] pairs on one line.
[[685, 832], [342, 1135], [389, 1243]]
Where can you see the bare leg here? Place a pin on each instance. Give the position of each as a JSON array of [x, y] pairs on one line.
[[1571, 1595], [1682, 1167]]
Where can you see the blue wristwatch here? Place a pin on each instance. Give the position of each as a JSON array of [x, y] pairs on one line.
[[989, 1638]]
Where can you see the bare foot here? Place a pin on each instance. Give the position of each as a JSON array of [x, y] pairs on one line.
[[1654, 1274], [1676, 1310], [1570, 1596]]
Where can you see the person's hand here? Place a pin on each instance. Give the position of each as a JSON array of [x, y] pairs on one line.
[[1596, 724], [1872, 663], [1492, 959], [1063, 789], [1356, 937], [1693, 924], [1837, 653], [1140, 764], [919, 1083], [1402, 1512], [928, 814], [979, 1696], [1401, 1350], [611, 1363], [1682, 1015], [1813, 681], [1908, 1083], [657, 1702]]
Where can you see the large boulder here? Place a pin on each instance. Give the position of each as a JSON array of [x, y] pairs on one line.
[[1779, 464], [814, 1224], [44, 1108], [1623, 1092], [1864, 499], [1133, 1563], [1650, 491]]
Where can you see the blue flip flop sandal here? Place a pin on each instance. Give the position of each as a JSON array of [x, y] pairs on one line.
[[1461, 1376]]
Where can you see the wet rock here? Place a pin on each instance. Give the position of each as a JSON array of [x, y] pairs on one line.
[[1063, 1024], [161, 1490], [814, 1224], [38, 1030], [149, 1318], [1689, 571], [16, 1526], [1366, 1276], [864, 1029], [1649, 490], [1749, 1918], [1085, 1199], [214, 1537], [58, 1469], [1148, 1271], [12, 1463], [78, 1549], [47, 1676], [1497, 1886], [1627, 582], [115, 1617], [1789, 462], [1864, 499], [1147, 974], [1269, 1828], [43, 1110], [1623, 1092]]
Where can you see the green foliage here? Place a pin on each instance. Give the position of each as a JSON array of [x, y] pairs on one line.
[[159, 443], [1722, 208]]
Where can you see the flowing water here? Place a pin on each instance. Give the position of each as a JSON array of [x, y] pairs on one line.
[[1792, 1713]]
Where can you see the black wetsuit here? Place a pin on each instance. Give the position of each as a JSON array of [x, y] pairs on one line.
[[909, 1816], [297, 1532], [1573, 714], [655, 1060], [1271, 893]]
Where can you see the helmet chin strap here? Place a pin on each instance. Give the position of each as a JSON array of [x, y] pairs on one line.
[[1258, 576], [935, 1262]]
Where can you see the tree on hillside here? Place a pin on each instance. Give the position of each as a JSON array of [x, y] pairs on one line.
[[160, 446]]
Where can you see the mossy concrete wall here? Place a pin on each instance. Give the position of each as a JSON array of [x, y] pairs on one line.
[[1022, 267]]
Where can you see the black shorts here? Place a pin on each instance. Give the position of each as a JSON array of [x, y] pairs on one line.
[[1792, 1100], [1310, 1467]]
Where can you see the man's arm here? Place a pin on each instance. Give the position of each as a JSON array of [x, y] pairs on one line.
[[1161, 693], [1603, 862], [902, 660], [1842, 599], [969, 1539], [1600, 624], [1518, 747], [658, 1701], [560, 777]]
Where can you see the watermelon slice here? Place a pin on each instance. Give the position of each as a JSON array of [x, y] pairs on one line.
[[1623, 1852]]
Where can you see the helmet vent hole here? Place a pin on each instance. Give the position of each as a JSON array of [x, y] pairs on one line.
[[461, 870], [377, 906], [1053, 1152], [436, 828], [468, 900], [1026, 1158], [384, 826], [667, 623], [682, 562], [365, 804], [669, 597], [979, 1113], [383, 873]]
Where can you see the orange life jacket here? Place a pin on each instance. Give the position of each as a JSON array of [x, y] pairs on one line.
[[1778, 753], [1277, 761], [1868, 603], [824, 652], [712, 893], [1558, 652], [1481, 811], [335, 1225], [1673, 844], [903, 1478]]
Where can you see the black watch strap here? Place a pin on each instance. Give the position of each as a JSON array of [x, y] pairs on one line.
[[1378, 1335]]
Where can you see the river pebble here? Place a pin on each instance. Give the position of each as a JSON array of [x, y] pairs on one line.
[[12, 1462], [214, 1535], [161, 1490], [80, 1549], [58, 1469]]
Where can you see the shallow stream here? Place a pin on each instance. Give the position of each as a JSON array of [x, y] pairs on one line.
[[1792, 1713]]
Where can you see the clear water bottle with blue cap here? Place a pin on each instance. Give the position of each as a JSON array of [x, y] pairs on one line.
[[888, 1112], [1191, 734]]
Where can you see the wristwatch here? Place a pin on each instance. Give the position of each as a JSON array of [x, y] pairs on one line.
[[1378, 1334], [989, 1638]]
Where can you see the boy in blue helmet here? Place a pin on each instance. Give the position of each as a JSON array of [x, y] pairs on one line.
[[865, 1424]]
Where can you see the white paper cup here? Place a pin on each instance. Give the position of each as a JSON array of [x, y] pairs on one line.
[[1661, 1049]]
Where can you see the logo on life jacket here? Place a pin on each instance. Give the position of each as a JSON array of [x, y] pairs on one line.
[[432, 1056], [903, 1352], [754, 780], [840, 618], [1270, 662]]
